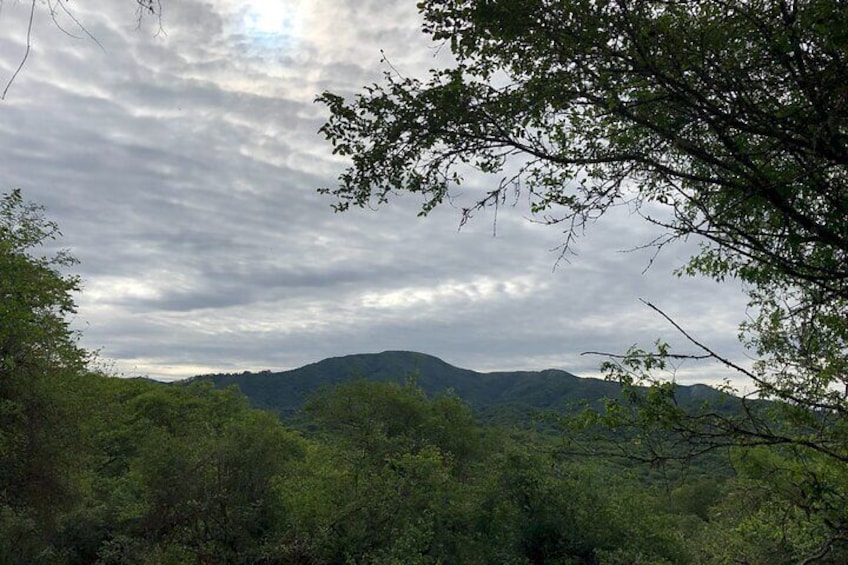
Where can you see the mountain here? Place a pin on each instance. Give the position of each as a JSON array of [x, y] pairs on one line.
[[493, 396]]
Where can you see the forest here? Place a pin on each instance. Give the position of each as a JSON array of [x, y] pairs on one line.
[[98, 469], [722, 122]]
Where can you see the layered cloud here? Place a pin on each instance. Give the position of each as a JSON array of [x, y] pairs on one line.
[[182, 165]]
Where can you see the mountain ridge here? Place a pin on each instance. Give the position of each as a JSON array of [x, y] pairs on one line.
[[517, 392]]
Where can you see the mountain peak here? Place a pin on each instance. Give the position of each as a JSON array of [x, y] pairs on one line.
[[286, 391]]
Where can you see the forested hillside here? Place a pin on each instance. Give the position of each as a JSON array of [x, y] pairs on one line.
[[148, 473], [97, 469], [502, 397], [721, 121]]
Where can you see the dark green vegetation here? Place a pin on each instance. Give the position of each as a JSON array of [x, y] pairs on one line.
[[489, 393], [720, 120], [158, 474], [114, 471], [731, 114], [505, 397]]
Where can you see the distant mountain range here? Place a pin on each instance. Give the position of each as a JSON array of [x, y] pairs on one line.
[[493, 396]]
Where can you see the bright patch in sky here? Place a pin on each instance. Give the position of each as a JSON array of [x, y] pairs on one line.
[[271, 17], [475, 290]]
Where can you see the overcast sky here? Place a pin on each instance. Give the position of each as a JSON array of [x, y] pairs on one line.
[[182, 167]]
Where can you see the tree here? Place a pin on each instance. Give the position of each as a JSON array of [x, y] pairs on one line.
[[390, 484], [205, 472], [37, 295], [725, 120], [37, 348], [377, 419]]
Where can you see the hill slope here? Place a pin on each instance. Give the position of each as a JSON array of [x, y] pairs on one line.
[[487, 393]]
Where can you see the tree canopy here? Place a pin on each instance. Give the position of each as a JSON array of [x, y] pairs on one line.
[[725, 120], [732, 114], [37, 347], [105, 470]]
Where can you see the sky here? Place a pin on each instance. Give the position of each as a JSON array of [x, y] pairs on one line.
[[181, 160]]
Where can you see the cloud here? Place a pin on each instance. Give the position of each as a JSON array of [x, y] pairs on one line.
[[182, 168]]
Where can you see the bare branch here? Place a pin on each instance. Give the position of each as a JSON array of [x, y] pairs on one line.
[[26, 53]]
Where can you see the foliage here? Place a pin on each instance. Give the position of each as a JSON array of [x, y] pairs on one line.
[[725, 120], [750, 524], [387, 486], [377, 419], [36, 347], [649, 102], [652, 101], [37, 295], [105, 470], [508, 397], [184, 473]]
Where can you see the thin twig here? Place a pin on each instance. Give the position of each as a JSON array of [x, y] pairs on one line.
[[710, 353], [665, 355], [26, 53], [79, 25]]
